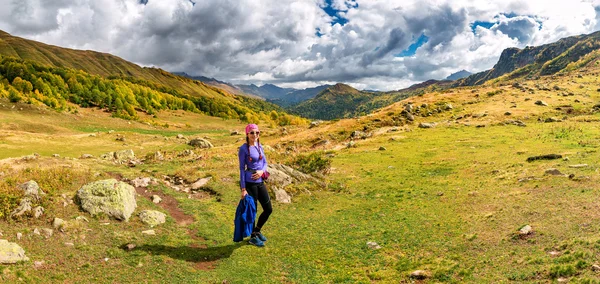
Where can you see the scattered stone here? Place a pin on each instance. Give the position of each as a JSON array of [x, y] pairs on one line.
[[81, 218], [351, 144], [448, 106], [111, 197], [562, 280], [541, 103], [19, 236], [544, 157], [426, 125], [420, 274], [158, 156], [382, 148], [59, 224], [373, 245], [578, 166], [359, 135], [130, 247], [554, 172], [38, 264], [29, 158], [200, 143], [69, 244], [281, 196], [124, 155], [551, 119], [86, 156], [156, 199], [120, 138], [180, 136], [32, 194], [235, 132], [141, 182], [200, 183], [508, 113], [36, 231], [596, 267], [554, 253], [525, 230], [149, 232], [31, 188], [315, 123], [38, 211], [93, 135], [152, 217], [11, 253], [47, 232], [55, 156]]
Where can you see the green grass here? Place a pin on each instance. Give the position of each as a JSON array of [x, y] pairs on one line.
[[448, 200]]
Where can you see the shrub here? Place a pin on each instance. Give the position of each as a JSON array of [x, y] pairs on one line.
[[314, 162]]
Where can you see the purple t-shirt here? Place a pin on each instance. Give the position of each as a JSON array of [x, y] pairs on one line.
[[247, 166]]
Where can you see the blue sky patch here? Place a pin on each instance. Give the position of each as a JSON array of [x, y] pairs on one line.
[[476, 24], [412, 49], [334, 13]]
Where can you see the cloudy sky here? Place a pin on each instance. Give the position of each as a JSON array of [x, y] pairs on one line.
[[369, 44]]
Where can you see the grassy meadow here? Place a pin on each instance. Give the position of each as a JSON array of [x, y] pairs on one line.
[[448, 200]]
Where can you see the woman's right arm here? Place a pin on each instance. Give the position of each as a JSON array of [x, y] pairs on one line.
[[242, 160]]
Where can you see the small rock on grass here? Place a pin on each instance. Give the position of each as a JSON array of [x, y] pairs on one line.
[[596, 267], [373, 245], [525, 230], [420, 274], [578, 166], [156, 199], [149, 232], [130, 247]]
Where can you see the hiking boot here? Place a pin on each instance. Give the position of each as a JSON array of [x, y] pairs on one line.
[[256, 241], [260, 236]]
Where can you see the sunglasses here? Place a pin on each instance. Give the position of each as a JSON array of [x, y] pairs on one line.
[[252, 132]]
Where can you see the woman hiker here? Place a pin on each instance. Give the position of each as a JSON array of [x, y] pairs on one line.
[[253, 165]]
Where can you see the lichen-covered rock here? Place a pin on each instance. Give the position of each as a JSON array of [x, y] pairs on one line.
[[200, 143], [152, 218], [111, 197], [31, 188], [124, 155], [11, 252]]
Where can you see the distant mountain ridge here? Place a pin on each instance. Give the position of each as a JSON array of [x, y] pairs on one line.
[[539, 60], [458, 75]]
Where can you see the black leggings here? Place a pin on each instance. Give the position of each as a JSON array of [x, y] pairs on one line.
[[259, 192]]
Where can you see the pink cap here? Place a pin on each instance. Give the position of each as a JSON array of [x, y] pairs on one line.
[[250, 127]]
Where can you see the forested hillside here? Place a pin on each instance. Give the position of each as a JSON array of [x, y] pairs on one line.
[[56, 87]]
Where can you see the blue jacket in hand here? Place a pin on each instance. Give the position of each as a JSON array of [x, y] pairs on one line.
[[244, 218]]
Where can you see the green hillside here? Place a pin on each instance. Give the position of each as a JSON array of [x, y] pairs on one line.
[[54, 76]]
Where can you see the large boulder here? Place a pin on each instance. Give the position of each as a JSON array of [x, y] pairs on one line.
[[111, 197], [282, 176], [200, 143], [11, 253], [152, 217]]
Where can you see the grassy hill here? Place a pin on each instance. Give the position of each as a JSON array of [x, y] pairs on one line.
[[449, 200], [54, 76]]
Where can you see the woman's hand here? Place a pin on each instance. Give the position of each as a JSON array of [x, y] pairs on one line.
[[244, 193], [257, 175]]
